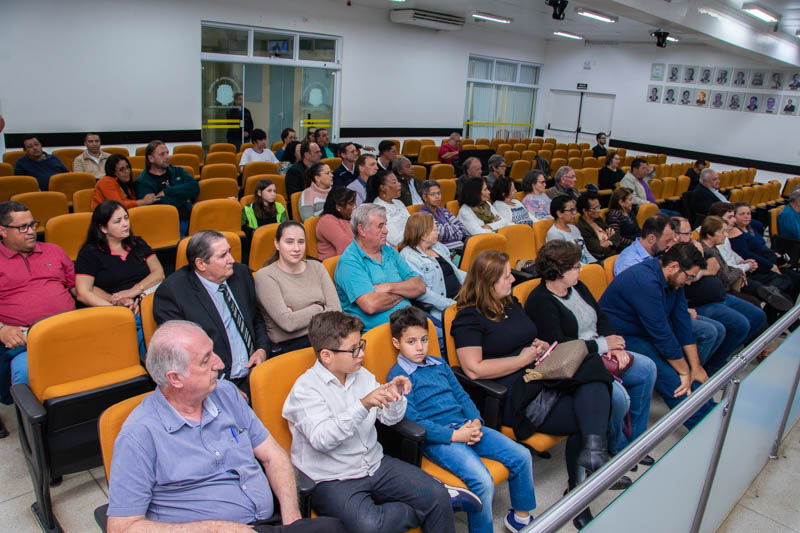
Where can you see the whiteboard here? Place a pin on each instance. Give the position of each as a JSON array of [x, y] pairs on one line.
[[563, 110]]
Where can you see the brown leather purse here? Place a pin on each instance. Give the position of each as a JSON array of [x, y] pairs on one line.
[[562, 362]]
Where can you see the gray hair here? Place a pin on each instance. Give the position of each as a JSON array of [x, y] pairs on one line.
[[200, 245], [167, 351], [560, 173], [706, 173], [795, 194], [427, 185], [362, 214], [468, 162], [495, 161], [399, 162]]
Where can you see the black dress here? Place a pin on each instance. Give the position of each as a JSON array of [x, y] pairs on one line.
[[111, 272]]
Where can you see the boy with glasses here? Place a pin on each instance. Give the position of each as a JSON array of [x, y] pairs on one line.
[[332, 409]]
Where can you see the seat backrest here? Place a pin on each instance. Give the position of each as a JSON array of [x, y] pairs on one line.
[[442, 171], [220, 214], [428, 142], [590, 162], [330, 265], [251, 183], [193, 149], [608, 266], [574, 152], [214, 158], [520, 242], [187, 160], [270, 384], [136, 161], [69, 182], [158, 225], [524, 289], [519, 168], [478, 243], [546, 154], [448, 187], [683, 185], [646, 211], [6, 169], [222, 147], [540, 230], [414, 208], [575, 162], [594, 277], [44, 205], [502, 148], [13, 185], [657, 188], [333, 162], [77, 346], [773, 218], [411, 147], [380, 354], [453, 206], [277, 145], [68, 231], [217, 188], [233, 239], [556, 163], [420, 173], [311, 236], [511, 156], [149, 325], [82, 201], [11, 156], [669, 187], [296, 205], [259, 167], [67, 156], [110, 423], [428, 154], [219, 170], [560, 154], [262, 245]]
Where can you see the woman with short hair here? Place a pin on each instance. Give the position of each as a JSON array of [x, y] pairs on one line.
[[600, 240], [384, 189], [319, 180], [534, 183], [334, 232], [563, 210], [451, 230], [610, 174]]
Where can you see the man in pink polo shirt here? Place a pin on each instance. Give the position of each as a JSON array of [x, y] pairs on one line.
[[37, 280]]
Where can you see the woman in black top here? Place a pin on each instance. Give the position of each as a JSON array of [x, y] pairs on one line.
[[496, 340], [611, 174], [114, 267], [621, 216]]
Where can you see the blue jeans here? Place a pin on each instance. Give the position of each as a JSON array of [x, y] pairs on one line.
[[638, 382], [620, 405], [140, 336], [709, 334], [742, 321], [464, 462]]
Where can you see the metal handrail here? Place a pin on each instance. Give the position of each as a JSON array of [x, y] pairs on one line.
[[579, 498]]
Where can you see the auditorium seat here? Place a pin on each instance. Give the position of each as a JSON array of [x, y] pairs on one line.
[[217, 188], [193, 149], [428, 155], [251, 182], [67, 156], [213, 158], [13, 185], [219, 170], [118, 150], [222, 147], [188, 160], [68, 231], [6, 170], [43, 205], [519, 168], [310, 225], [259, 167], [478, 243], [411, 147], [448, 187], [11, 156], [157, 224], [262, 245], [520, 242], [441, 171], [232, 238], [69, 182], [220, 214]]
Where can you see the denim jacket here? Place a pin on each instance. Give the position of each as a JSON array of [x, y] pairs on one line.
[[432, 275]]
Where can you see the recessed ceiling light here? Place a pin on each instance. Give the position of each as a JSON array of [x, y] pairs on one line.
[[710, 12], [596, 16], [759, 12], [567, 35], [491, 18], [673, 39], [397, 0]]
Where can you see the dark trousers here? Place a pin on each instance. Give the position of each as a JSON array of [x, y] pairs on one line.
[[397, 497], [321, 524]]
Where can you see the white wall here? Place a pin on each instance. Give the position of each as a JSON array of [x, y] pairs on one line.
[[624, 70], [113, 65]]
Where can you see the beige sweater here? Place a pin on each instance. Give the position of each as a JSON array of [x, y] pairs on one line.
[[287, 300]]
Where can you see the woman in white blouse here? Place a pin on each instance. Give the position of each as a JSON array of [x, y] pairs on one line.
[[476, 213], [383, 189], [506, 204]]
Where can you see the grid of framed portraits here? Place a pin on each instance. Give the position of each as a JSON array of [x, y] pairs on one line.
[[725, 88]]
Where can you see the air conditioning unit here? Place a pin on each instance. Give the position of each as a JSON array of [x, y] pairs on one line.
[[427, 19]]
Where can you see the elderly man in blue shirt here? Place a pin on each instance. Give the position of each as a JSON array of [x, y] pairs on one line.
[[191, 453], [655, 321], [371, 278]]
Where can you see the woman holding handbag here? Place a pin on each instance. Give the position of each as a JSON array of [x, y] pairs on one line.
[[564, 309]]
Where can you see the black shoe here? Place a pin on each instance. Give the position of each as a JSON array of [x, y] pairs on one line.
[[583, 519], [647, 460], [774, 298], [594, 453], [622, 483], [3, 431]]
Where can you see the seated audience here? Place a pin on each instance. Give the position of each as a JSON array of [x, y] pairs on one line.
[[404, 171], [291, 290], [371, 278], [600, 240], [334, 232], [451, 230], [387, 152], [218, 294], [367, 166], [296, 175], [319, 180], [564, 184], [657, 235], [37, 280], [163, 473], [476, 213], [117, 185], [621, 216], [114, 266], [564, 309], [346, 172], [610, 174], [288, 135], [37, 163], [694, 173], [329, 149], [383, 189], [599, 150], [455, 437], [789, 217], [654, 321], [170, 185], [290, 156], [706, 194], [497, 168], [259, 150], [536, 201], [450, 149], [264, 209], [743, 219], [504, 201], [429, 258], [563, 210], [334, 440], [472, 169], [635, 181], [495, 339], [93, 159]]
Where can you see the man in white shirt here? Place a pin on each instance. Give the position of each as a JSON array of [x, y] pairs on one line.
[[332, 409], [259, 151], [93, 159]]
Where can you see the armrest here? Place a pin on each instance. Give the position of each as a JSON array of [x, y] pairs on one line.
[[305, 486], [521, 276], [27, 404], [402, 440], [488, 396]]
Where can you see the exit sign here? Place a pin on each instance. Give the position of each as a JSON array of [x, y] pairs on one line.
[[583, 86]]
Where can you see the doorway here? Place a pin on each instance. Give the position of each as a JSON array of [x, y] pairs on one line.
[[580, 114]]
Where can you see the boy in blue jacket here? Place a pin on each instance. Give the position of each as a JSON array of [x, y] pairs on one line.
[[456, 438]]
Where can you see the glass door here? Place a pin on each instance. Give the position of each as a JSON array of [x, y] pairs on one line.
[[222, 119]]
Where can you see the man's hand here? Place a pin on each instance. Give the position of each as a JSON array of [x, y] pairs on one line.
[[615, 342], [698, 373], [693, 314], [402, 383], [258, 357], [121, 297], [776, 269], [13, 336], [685, 388], [382, 287], [753, 264], [382, 396]]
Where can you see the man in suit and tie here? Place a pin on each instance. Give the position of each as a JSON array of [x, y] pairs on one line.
[[218, 294]]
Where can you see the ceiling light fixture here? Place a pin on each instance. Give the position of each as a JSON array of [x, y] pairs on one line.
[[491, 18], [673, 39], [759, 12], [596, 16], [568, 35]]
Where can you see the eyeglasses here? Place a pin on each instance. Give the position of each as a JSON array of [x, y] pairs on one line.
[[123, 168], [355, 351], [24, 228], [595, 208], [689, 277], [573, 210]]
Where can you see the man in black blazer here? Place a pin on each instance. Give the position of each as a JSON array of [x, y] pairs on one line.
[[706, 194], [197, 292]]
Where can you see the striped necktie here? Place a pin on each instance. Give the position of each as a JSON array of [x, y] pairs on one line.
[[238, 319]]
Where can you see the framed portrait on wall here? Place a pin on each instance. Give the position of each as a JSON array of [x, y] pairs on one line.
[[722, 76], [687, 96], [701, 97], [789, 105], [739, 77], [776, 80], [657, 72], [717, 99], [752, 103], [654, 94], [674, 73], [770, 103], [793, 81], [757, 79], [670, 95], [735, 101], [690, 73], [706, 76]]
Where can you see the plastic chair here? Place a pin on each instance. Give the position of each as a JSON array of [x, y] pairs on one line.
[[82, 201], [193, 149], [69, 182], [478, 243], [140, 150], [646, 211], [149, 325], [259, 167], [119, 150], [43, 205], [79, 363], [428, 154], [68, 231], [262, 245], [220, 214], [502, 148], [232, 238], [158, 225], [411, 147], [330, 265], [11, 157], [333, 162], [188, 160], [420, 172], [222, 147], [594, 277], [608, 266], [310, 224], [296, 205], [448, 187], [453, 206], [657, 188], [511, 156], [441, 171], [214, 158], [13, 185], [217, 188], [524, 289], [219, 170], [520, 242], [136, 161], [67, 156], [540, 230], [6, 169]]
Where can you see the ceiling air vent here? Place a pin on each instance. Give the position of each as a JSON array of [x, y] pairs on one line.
[[426, 19]]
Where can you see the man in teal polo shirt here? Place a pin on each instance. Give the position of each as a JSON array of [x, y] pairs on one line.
[[371, 278]]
